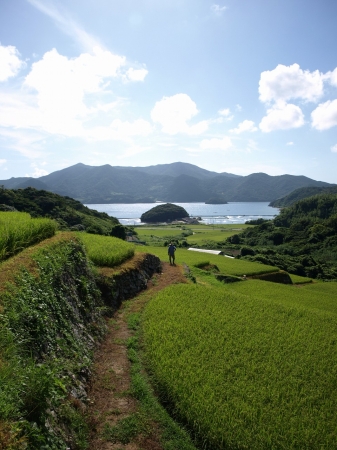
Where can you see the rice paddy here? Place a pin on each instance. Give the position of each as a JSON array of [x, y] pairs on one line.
[[106, 251], [243, 369], [18, 231]]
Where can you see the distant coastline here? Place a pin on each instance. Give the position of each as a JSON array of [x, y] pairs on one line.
[[229, 213]]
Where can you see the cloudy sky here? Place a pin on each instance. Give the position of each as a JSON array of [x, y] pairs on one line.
[[238, 86]]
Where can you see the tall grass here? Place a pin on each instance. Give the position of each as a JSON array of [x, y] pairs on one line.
[[244, 372], [50, 315], [106, 251], [19, 231]]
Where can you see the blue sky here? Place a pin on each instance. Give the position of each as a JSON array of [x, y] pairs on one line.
[[238, 86]]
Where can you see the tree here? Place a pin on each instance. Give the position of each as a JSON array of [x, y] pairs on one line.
[[118, 231], [164, 213]]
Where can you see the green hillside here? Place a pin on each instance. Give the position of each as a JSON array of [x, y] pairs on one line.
[[176, 182], [302, 239], [69, 213], [300, 194]]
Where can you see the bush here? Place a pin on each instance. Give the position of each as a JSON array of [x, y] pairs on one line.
[[119, 232]]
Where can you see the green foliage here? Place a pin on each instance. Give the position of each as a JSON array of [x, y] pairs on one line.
[[126, 429], [300, 194], [50, 315], [106, 251], [19, 231], [228, 266], [65, 210], [164, 213], [245, 370], [177, 182], [301, 240], [118, 231], [172, 435]]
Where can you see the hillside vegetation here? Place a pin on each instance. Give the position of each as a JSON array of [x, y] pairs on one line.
[[164, 213], [176, 182], [68, 213], [300, 194], [19, 231], [302, 239], [242, 363], [50, 318]]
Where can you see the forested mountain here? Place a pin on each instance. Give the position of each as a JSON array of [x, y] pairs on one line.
[[69, 213], [300, 194], [302, 239], [177, 182]]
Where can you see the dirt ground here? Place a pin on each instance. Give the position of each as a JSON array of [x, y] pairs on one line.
[[110, 399]]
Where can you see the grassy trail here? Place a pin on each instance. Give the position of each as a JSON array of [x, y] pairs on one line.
[[117, 418]]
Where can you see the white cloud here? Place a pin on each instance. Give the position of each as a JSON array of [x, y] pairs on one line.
[[132, 151], [224, 112], [62, 83], [66, 96], [334, 148], [282, 117], [38, 172], [216, 144], [26, 143], [173, 113], [331, 77], [119, 130], [218, 10], [245, 126], [325, 115], [3, 161], [10, 62], [290, 143], [136, 74], [290, 82]]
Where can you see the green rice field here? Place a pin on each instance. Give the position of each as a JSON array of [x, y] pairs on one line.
[[18, 231], [106, 251], [199, 234], [226, 265], [251, 365]]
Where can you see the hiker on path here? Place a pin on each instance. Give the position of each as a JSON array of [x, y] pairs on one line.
[[171, 253]]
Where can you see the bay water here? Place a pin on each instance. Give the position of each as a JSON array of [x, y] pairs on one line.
[[232, 212]]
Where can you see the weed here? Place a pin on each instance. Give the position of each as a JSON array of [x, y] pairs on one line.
[[127, 429]]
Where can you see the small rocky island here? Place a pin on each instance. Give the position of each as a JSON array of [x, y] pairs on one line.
[[167, 212], [216, 201]]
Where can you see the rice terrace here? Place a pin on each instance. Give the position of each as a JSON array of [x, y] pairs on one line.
[[227, 351]]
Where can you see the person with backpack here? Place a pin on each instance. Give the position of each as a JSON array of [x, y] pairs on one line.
[[171, 253]]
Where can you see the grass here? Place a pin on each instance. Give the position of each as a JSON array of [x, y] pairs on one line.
[[246, 371], [19, 231], [127, 429], [106, 251], [227, 266], [172, 435], [197, 235], [316, 296], [49, 300]]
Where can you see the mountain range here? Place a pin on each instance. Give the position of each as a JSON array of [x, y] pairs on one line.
[[176, 182]]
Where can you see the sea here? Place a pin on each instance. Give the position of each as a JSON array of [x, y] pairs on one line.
[[229, 213]]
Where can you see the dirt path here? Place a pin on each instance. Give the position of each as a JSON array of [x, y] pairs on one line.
[[110, 396]]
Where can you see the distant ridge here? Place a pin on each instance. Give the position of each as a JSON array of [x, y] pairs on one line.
[[302, 193], [177, 182]]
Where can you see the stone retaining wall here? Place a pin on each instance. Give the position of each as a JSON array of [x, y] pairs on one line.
[[126, 283]]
